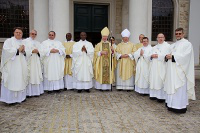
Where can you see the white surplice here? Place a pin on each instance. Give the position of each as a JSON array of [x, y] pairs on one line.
[[142, 70], [157, 70], [53, 64], [82, 65], [14, 72], [35, 87], [179, 83]]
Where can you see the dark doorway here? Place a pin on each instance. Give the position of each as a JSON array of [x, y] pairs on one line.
[[91, 19]]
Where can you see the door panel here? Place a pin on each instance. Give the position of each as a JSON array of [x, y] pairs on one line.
[[91, 19]]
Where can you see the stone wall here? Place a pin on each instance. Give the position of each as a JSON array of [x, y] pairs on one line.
[[118, 16], [118, 21], [184, 7], [1, 45]]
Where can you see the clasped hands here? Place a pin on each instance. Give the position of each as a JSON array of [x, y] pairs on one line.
[[35, 51], [125, 56], [106, 52], [168, 56], [154, 56], [84, 49], [22, 49], [68, 56], [54, 51], [141, 52]]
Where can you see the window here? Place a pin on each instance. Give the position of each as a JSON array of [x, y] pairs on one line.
[[13, 13], [162, 18]]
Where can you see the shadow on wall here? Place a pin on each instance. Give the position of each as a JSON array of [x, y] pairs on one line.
[[1, 45]]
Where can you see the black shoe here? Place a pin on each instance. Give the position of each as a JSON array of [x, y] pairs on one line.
[[12, 104], [49, 92], [119, 89], [88, 90], [128, 90], [79, 91], [161, 100], [169, 109], [101, 90], [152, 98], [179, 111], [58, 91], [24, 100], [144, 94]]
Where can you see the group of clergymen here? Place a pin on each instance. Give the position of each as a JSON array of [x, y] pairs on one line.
[[164, 72]]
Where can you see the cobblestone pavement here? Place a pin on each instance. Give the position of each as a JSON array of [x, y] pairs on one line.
[[97, 112]]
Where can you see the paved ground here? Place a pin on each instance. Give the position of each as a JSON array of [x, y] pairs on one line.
[[97, 112]]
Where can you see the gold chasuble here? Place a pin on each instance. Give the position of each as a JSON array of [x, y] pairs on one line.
[[68, 61], [103, 68], [126, 65], [138, 45]]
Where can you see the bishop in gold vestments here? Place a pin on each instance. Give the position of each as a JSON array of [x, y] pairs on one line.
[[103, 63], [126, 64]]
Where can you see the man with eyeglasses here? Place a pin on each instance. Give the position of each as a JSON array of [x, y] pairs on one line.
[[14, 69], [53, 54], [35, 87], [179, 82]]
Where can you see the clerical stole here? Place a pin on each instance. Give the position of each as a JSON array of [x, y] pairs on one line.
[[106, 64], [68, 61]]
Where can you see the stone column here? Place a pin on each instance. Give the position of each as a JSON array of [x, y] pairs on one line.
[[139, 18], [125, 14], [59, 18], [41, 18], [194, 28]]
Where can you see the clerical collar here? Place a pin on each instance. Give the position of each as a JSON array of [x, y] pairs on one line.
[[83, 41], [161, 43], [69, 41], [31, 38], [51, 40], [181, 39], [146, 46], [125, 42], [16, 39]]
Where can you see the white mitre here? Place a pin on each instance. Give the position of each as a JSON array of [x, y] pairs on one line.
[[126, 33]]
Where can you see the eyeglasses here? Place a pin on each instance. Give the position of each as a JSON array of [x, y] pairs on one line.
[[178, 33], [33, 34], [51, 35]]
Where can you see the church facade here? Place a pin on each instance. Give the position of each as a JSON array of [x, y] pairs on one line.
[[148, 17]]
